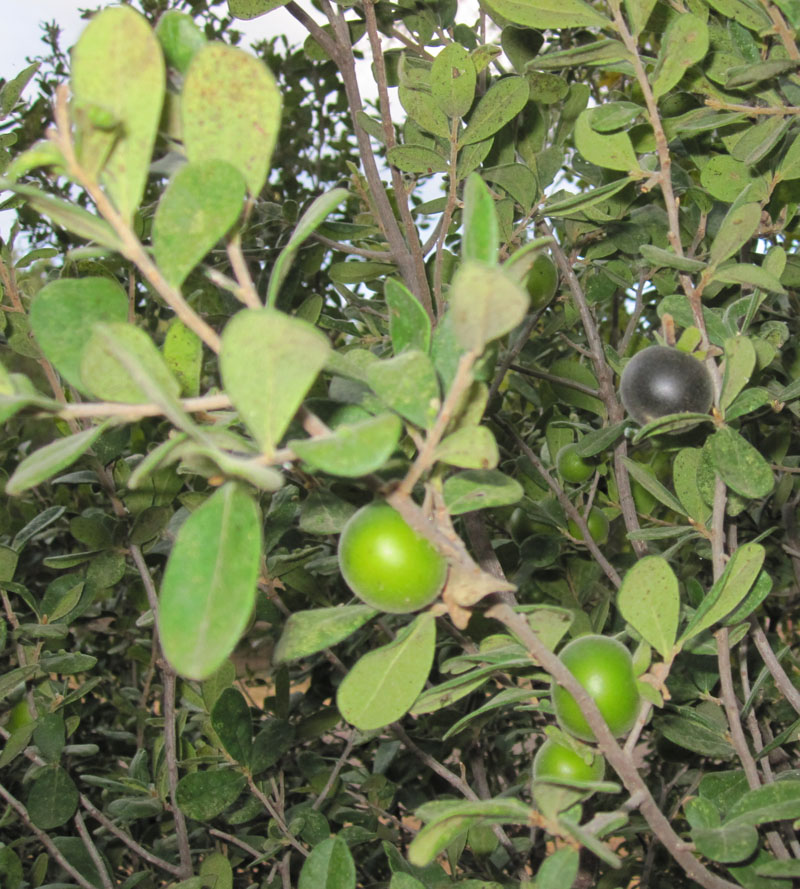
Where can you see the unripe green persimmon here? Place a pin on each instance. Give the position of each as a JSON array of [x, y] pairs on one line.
[[555, 762], [571, 466], [597, 522], [604, 667], [387, 564]]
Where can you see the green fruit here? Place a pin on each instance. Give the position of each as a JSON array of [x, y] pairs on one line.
[[659, 380], [542, 281], [556, 762], [571, 466], [387, 564], [598, 526], [180, 38], [604, 667]]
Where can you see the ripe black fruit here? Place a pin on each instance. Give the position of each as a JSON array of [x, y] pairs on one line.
[[659, 380]]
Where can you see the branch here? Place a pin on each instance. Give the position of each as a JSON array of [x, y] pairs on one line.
[[784, 685], [92, 850], [133, 412]]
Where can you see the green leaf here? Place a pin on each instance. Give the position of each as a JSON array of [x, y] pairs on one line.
[[677, 305], [481, 240], [559, 869], [356, 272], [209, 585], [314, 216], [740, 465], [307, 632], [216, 871], [542, 14], [12, 89], [726, 178], [684, 479], [409, 324], [231, 110], [230, 719], [501, 103], [424, 110], [203, 795], [789, 166], [689, 731], [518, 180], [480, 489], [270, 744], [385, 682], [730, 842], [269, 362], [779, 801], [570, 369], [661, 258], [407, 384], [417, 159], [740, 360], [329, 866], [758, 593], [613, 151], [252, 9], [50, 736], [685, 43], [650, 602], [199, 206], [453, 78], [183, 355], [118, 66], [53, 798], [122, 363], [577, 203], [402, 880], [352, 449], [599, 440], [485, 304], [649, 482], [180, 38], [749, 275], [471, 447], [734, 584], [11, 874], [52, 458], [735, 230], [447, 820], [66, 215], [760, 139], [62, 315]]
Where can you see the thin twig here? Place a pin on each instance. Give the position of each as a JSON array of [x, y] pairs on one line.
[[335, 770], [247, 290], [784, 685], [92, 850]]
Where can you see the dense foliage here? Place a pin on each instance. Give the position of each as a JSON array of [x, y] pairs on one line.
[[240, 303]]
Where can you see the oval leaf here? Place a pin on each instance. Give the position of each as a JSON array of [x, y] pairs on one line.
[[472, 447], [53, 798], [613, 151], [741, 466], [230, 719], [417, 159], [484, 304], [352, 450], [481, 239], [200, 205], [63, 313], [541, 14], [480, 489], [501, 103], [118, 66], [407, 384], [231, 109], [203, 795], [209, 585], [329, 866], [650, 602], [307, 632], [453, 79], [52, 458], [268, 362], [384, 683], [409, 324], [685, 43]]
